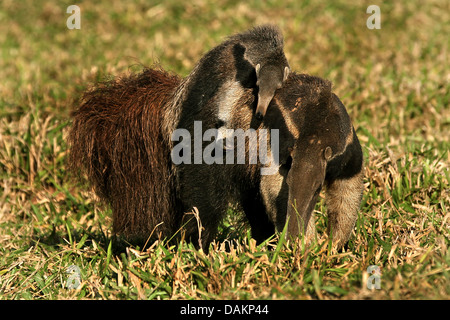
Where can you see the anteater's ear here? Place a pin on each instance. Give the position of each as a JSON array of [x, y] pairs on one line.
[[327, 153], [286, 73], [257, 69]]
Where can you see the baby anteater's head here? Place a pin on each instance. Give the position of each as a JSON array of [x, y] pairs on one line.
[[269, 78]]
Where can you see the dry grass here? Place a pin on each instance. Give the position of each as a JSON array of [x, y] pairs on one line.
[[393, 81]]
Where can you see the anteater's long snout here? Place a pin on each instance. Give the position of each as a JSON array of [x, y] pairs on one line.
[[264, 100]]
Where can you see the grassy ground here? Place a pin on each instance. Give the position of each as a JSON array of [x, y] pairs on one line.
[[395, 83]]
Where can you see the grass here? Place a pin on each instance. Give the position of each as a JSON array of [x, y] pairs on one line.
[[393, 81]]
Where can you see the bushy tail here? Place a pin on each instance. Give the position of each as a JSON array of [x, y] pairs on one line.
[[116, 142]]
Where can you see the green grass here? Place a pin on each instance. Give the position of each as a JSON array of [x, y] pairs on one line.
[[393, 81]]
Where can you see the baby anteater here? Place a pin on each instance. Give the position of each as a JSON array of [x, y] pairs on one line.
[[264, 50], [252, 59]]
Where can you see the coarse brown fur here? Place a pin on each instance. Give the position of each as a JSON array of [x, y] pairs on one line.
[[116, 141]]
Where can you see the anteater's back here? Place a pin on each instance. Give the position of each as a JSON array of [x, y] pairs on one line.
[[116, 142]]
